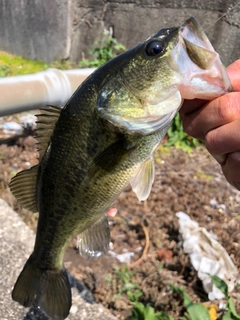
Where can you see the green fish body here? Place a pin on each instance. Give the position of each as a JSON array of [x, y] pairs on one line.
[[102, 140]]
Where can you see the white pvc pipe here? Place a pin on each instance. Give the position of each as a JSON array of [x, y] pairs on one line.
[[51, 87]]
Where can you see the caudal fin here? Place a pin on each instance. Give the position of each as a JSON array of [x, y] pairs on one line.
[[50, 290]]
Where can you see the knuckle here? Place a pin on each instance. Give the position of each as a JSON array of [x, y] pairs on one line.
[[186, 126], [190, 127], [231, 169], [237, 64], [228, 108], [211, 141], [234, 159]]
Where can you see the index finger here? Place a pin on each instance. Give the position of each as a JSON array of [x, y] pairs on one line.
[[234, 74], [190, 106], [233, 71]]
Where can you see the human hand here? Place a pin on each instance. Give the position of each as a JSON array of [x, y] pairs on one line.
[[217, 123]]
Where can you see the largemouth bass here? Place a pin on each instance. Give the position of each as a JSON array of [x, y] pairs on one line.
[[102, 139]]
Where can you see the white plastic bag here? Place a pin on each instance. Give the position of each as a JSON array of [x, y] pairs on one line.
[[207, 256]]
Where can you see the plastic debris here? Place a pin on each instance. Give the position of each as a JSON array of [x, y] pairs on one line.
[[11, 127], [28, 120], [207, 256], [215, 205], [111, 212], [123, 257]]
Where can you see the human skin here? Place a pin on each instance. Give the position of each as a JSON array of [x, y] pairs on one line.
[[217, 123]]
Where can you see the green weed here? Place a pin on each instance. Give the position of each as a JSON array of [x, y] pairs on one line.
[[180, 139], [4, 70], [103, 51], [108, 278], [198, 311], [231, 313], [201, 175], [127, 286], [195, 311], [142, 312]]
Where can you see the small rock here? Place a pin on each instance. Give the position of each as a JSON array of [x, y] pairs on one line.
[[164, 254]]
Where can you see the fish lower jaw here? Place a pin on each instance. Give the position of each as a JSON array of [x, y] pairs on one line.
[[201, 90]]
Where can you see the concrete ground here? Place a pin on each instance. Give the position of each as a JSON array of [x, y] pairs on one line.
[[16, 243]]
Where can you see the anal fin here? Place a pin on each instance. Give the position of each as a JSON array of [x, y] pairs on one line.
[[23, 187], [142, 182], [94, 241]]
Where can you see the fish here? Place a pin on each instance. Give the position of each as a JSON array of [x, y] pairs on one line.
[[103, 139]]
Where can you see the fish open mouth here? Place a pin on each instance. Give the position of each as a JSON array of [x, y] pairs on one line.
[[197, 44], [202, 54]]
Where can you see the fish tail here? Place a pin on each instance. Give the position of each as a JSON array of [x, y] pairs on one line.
[[48, 289]]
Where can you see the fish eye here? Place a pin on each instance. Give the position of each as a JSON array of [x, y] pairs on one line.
[[154, 48]]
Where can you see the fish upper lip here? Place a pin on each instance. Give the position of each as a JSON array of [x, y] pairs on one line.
[[191, 20]]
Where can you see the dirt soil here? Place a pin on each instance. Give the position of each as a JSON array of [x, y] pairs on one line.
[[192, 183]]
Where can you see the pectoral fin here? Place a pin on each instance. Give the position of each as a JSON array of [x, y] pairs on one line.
[[110, 157], [142, 182], [23, 187], [94, 241]]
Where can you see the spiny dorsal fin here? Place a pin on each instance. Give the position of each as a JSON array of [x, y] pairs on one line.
[[23, 187], [142, 182], [94, 241], [46, 121]]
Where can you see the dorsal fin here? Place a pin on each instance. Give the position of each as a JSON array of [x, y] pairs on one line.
[[23, 185], [46, 121]]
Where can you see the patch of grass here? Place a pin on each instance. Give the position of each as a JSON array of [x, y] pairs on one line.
[[127, 286], [4, 70], [180, 139], [142, 312], [11, 65], [162, 153], [108, 278], [197, 311], [194, 311], [201, 175], [15, 65], [160, 266]]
